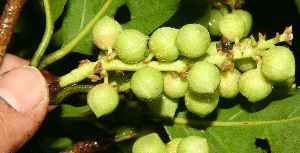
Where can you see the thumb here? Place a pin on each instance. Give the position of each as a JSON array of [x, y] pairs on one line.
[[23, 106]]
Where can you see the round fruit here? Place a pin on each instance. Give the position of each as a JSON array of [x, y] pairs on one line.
[[175, 86], [213, 24], [212, 49], [103, 99], [147, 83], [105, 33], [203, 77], [254, 86], [193, 144], [131, 46], [247, 17], [150, 143], [162, 44], [229, 85], [193, 40], [245, 64], [278, 64], [172, 145], [201, 104], [163, 106], [232, 26]]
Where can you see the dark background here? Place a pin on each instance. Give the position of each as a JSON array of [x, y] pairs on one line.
[[271, 16]]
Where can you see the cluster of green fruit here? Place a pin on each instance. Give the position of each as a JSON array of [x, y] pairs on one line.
[[185, 63], [153, 143]]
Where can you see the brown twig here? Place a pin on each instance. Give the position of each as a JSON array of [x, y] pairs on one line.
[[8, 21]]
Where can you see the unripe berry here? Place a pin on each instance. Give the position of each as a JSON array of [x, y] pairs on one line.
[[229, 85], [163, 106], [150, 143], [232, 26], [254, 86], [278, 64], [103, 99], [105, 33], [172, 145], [285, 84], [131, 46], [193, 40], [245, 64], [175, 86], [247, 17], [201, 104], [213, 24], [193, 144], [147, 83], [162, 44], [212, 49], [203, 77]]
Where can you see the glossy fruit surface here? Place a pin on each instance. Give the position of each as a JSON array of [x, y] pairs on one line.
[[103, 99], [193, 40], [105, 33], [162, 44], [147, 83], [131, 46]]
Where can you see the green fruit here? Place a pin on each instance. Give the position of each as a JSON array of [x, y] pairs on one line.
[[103, 99], [278, 64], [229, 85], [203, 77], [147, 83], [201, 104], [247, 17], [105, 33], [150, 143], [232, 26], [175, 86], [245, 64], [193, 40], [193, 144], [172, 145], [131, 46], [162, 44], [254, 86], [213, 24], [163, 106], [212, 49], [285, 84]]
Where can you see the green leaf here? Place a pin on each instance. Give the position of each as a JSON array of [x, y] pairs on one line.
[[57, 7], [198, 12], [72, 111], [147, 15], [237, 128], [78, 14], [297, 2]]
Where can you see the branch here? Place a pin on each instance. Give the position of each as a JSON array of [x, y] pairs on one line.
[[8, 21]]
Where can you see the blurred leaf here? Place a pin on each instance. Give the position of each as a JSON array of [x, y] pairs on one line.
[[147, 15], [72, 111], [190, 11], [297, 2], [60, 143], [238, 128], [57, 7]]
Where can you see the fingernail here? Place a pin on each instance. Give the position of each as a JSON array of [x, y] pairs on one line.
[[23, 88]]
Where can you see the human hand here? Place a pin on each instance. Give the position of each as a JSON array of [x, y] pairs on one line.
[[24, 101]]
